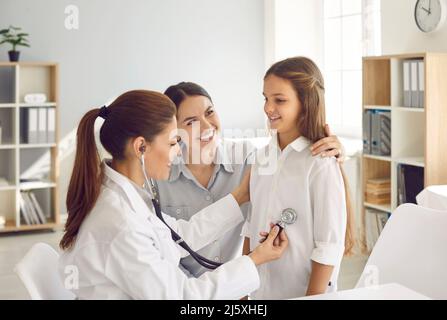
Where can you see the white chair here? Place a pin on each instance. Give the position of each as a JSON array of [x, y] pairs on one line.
[[39, 273], [411, 251]]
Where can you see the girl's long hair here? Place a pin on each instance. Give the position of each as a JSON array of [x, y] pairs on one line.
[[308, 82]]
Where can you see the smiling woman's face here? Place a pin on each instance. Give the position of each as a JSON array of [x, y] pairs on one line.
[[197, 117]]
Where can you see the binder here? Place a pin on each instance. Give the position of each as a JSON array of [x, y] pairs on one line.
[[42, 128], [367, 132], [51, 125], [407, 87], [38, 208], [414, 84], [31, 210], [32, 123], [24, 210], [381, 133], [421, 76]]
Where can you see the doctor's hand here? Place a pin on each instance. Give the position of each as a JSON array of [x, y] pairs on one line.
[[242, 192], [268, 251]]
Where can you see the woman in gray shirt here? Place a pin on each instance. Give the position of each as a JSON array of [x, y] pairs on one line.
[[210, 168]]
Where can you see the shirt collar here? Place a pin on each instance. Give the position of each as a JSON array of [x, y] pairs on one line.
[[300, 144], [179, 166], [136, 200]]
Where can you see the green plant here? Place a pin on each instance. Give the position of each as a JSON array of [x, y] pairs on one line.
[[13, 36]]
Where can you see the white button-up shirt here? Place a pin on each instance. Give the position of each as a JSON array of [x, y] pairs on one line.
[[314, 188], [124, 251]]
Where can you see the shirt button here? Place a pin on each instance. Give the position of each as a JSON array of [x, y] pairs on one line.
[[208, 198], [216, 259], [178, 211]]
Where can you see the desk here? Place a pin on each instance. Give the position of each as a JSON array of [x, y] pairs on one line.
[[391, 291]]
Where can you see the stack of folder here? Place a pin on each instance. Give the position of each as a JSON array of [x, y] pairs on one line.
[[377, 132], [414, 83], [378, 191], [37, 125]]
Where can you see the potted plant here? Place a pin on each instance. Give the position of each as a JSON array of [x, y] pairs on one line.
[[16, 38]]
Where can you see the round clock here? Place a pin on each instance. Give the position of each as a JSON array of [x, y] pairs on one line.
[[430, 15]]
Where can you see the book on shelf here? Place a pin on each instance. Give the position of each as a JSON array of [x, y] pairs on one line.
[[30, 209], [410, 182], [377, 132], [378, 191], [375, 222]]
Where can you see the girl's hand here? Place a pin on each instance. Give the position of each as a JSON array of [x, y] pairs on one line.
[[268, 251], [329, 147]]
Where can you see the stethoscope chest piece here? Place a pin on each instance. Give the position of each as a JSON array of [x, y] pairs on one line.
[[288, 216]]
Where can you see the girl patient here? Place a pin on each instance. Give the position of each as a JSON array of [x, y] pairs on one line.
[[287, 176]]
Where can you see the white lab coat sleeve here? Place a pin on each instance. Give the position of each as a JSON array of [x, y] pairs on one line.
[[209, 224], [137, 267], [328, 201], [246, 226]]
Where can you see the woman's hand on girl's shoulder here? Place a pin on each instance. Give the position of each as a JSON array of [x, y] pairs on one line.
[[329, 147]]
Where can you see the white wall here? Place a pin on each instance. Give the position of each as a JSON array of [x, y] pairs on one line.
[[294, 28], [146, 44], [400, 33]]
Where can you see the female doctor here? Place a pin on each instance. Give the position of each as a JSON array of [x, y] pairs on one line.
[[116, 238]]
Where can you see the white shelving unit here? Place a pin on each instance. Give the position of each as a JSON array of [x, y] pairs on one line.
[[418, 135], [18, 159]]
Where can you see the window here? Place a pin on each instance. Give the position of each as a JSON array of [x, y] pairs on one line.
[[351, 30]]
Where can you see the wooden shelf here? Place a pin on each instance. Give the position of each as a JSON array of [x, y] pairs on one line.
[[414, 131], [37, 185], [7, 105], [412, 161], [384, 108], [37, 105], [37, 145], [7, 188], [11, 227], [7, 146], [406, 109], [21, 160], [380, 207], [381, 158]]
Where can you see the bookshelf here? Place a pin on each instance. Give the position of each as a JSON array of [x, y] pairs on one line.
[[37, 162], [418, 135]]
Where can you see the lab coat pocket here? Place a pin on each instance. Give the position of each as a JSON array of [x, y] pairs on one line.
[[178, 212]]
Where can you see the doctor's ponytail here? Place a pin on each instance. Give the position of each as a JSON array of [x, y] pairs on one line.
[[85, 181], [138, 113]]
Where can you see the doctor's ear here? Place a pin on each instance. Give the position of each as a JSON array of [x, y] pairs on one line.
[[140, 146]]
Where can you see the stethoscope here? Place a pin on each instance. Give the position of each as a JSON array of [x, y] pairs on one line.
[[288, 217], [150, 187]]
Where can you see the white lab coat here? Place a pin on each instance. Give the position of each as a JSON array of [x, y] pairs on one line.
[[123, 251]]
